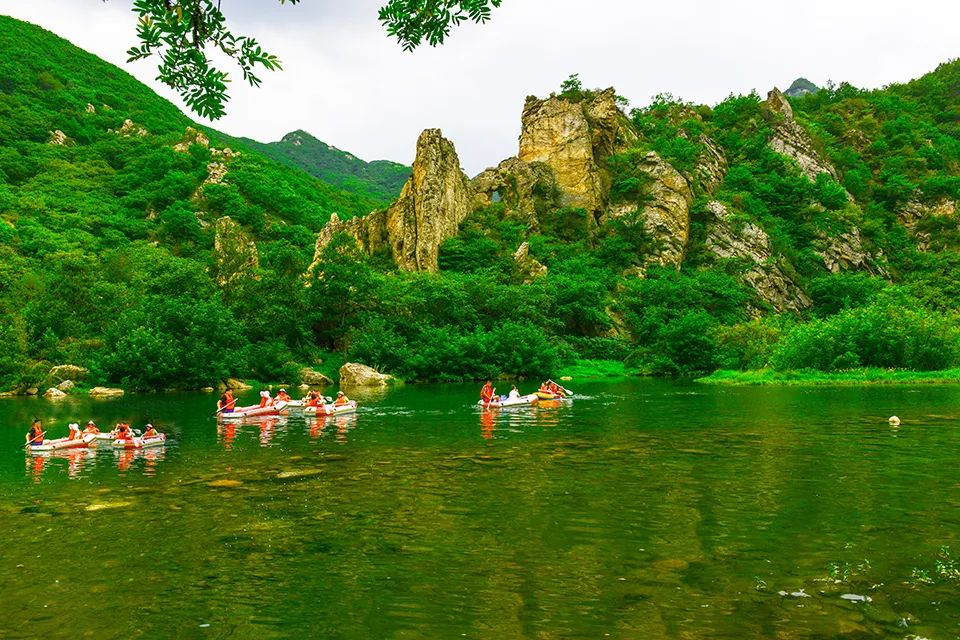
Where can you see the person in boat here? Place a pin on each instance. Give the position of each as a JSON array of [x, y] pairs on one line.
[[150, 432], [265, 399], [123, 431], [486, 393], [75, 432], [227, 402], [283, 396], [514, 392], [35, 435], [314, 399], [91, 427], [341, 400]]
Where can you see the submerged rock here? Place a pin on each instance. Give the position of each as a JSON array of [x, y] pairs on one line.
[[54, 394], [106, 392]]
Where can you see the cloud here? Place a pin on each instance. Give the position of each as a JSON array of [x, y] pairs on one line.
[[351, 86]]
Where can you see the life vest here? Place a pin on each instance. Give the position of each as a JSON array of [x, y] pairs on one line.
[[75, 434], [313, 402], [149, 433], [89, 429], [227, 402], [342, 400], [283, 396], [36, 435], [486, 394], [123, 432]]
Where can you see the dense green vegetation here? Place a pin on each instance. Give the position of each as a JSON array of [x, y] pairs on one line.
[[379, 181], [107, 255]]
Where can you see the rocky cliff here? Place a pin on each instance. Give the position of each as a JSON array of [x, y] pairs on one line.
[[792, 140], [434, 201]]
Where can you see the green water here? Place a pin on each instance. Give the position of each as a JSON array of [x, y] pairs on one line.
[[644, 509]]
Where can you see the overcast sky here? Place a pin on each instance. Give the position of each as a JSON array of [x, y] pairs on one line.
[[346, 83]]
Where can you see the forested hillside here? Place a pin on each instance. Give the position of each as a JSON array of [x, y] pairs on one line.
[[379, 180], [818, 232]]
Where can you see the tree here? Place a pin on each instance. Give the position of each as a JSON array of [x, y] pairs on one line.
[[181, 31]]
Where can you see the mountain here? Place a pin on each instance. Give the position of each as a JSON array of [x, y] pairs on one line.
[[812, 233], [801, 87], [378, 180]]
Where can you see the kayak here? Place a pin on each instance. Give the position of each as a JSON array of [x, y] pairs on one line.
[[332, 409], [254, 411], [61, 443], [295, 404], [506, 401], [103, 435], [141, 443]]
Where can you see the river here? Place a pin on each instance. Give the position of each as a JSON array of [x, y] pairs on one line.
[[641, 509]]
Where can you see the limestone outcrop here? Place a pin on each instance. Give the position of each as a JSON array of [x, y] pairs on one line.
[[844, 251], [234, 250], [313, 378], [529, 268], [63, 372], [54, 394], [353, 374], [525, 188], [767, 274], [190, 137], [792, 140], [914, 211], [434, 201], [575, 139]]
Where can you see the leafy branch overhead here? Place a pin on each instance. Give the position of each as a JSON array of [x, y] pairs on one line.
[[183, 32]]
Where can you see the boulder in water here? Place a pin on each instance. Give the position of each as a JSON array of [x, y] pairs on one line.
[[106, 392], [358, 375]]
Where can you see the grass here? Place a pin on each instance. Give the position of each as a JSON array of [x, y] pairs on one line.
[[850, 377], [595, 369]]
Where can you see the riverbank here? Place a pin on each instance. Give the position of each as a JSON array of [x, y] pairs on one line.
[[852, 377]]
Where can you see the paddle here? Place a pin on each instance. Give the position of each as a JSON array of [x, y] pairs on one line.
[[229, 405], [31, 441], [564, 389]]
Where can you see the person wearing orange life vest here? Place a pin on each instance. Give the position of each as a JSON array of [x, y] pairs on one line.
[[227, 402], [123, 431], [283, 396], [486, 393], [342, 399], [314, 399], [75, 432], [265, 399], [35, 435], [149, 431], [91, 427]]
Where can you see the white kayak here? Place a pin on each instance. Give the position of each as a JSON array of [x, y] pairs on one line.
[[331, 409], [141, 443], [506, 401], [295, 404], [61, 443], [103, 435], [255, 411]]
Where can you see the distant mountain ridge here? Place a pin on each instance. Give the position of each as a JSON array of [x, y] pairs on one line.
[[801, 87], [379, 180]]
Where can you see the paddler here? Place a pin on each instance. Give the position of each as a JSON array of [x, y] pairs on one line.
[[283, 396], [514, 392], [149, 431], [91, 427], [123, 431], [75, 432], [227, 402], [342, 399], [486, 393], [35, 435], [265, 398]]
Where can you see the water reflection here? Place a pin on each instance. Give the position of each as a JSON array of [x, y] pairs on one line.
[[544, 414], [266, 428], [339, 425], [78, 462]]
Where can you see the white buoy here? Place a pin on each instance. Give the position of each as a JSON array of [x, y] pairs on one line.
[[894, 420]]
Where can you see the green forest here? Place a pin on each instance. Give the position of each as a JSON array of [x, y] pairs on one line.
[[107, 256]]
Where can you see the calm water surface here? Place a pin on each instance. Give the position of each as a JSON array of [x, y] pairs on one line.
[[644, 509]]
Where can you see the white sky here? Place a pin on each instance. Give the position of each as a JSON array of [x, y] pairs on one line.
[[349, 85]]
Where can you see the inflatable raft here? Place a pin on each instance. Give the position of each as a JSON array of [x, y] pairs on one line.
[[141, 443], [331, 409], [61, 443], [255, 411], [506, 401]]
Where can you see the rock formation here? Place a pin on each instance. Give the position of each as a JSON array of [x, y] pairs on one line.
[[844, 251], [54, 394], [59, 138], [914, 211], [311, 377], [529, 268], [190, 137], [434, 201], [526, 189], [767, 274], [575, 139], [358, 375], [792, 140], [63, 372], [234, 250], [130, 128], [105, 392]]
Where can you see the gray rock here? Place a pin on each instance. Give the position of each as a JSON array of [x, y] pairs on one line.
[[54, 394], [66, 385], [314, 378], [358, 375]]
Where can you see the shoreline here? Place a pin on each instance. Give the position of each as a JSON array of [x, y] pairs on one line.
[[809, 378]]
